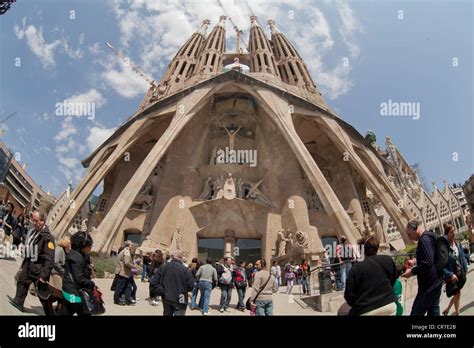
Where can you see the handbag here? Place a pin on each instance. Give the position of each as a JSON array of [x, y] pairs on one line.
[[92, 299], [248, 304]]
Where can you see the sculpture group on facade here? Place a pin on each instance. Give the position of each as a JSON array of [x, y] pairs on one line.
[[230, 188]]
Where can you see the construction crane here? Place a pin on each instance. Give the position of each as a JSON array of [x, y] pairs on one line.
[[134, 67], [2, 131], [237, 30]]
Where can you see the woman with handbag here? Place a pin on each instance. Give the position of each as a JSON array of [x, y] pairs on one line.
[[261, 299], [455, 271], [57, 273], [77, 276]]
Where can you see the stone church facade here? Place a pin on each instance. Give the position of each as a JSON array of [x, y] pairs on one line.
[[237, 153]]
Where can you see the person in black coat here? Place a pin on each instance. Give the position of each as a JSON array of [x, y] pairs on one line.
[[77, 275], [8, 220], [174, 280], [37, 264], [369, 286]]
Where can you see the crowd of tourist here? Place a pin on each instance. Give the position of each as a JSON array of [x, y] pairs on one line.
[[62, 275]]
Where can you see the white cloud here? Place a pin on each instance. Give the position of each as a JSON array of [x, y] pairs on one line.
[[38, 45], [91, 96], [67, 129], [97, 136], [43, 50], [157, 29], [125, 82]]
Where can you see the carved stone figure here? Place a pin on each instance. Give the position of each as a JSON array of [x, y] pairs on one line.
[[144, 198], [219, 187], [302, 239], [207, 189], [240, 188], [229, 188], [257, 195], [147, 193], [289, 244], [280, 244], [176, 241], [232, 134]]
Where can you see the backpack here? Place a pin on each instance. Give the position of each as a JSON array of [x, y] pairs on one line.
[[442, 253], [240, 279], [226, 276]]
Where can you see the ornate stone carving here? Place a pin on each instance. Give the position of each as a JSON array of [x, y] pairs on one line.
[[229, 188], [219, 187], [280, 244], [206, 192], [147, 193], [255, 194], [302, 239]]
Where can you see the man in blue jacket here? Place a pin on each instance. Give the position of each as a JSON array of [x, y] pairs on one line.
[[430, 280]]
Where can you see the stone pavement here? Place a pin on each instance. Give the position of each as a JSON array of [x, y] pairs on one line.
[[283, 303]]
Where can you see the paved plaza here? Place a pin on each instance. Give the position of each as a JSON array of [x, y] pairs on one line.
[[283, 303]]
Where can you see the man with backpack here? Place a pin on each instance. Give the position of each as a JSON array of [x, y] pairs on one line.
[[430, 261], [240, 279], [226, 283]]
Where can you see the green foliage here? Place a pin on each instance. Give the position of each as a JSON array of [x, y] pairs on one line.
[[102, 264], [409, 249]]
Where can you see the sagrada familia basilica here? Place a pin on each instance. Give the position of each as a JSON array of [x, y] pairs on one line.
[[237, 153]]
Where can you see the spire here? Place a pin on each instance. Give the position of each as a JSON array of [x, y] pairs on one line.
[[205, 23], [261, 54], [273, 27], [253, 22], [182, 67], [210, 58], [222, 20], [291, 66]]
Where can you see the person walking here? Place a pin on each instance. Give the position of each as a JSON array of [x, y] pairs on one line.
[[455, 271], [194, 267], [290, 277], [146, 264], [57, 273], [344, 253], [276, 273], [240, 280], [156, 261], [369, 287], [123, 283], [249, 271], [305, 277], [77, 275], [262, 290], [173, 281], [226, 283], [207, 277], [430, 280], [20, 230], [9, 222], [37, 264]]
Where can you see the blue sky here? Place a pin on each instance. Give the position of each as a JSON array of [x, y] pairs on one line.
[[407, 59]]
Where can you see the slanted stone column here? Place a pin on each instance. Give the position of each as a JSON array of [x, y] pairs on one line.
[[93, 178], [278, 109], [186, 109], [379, 188]]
